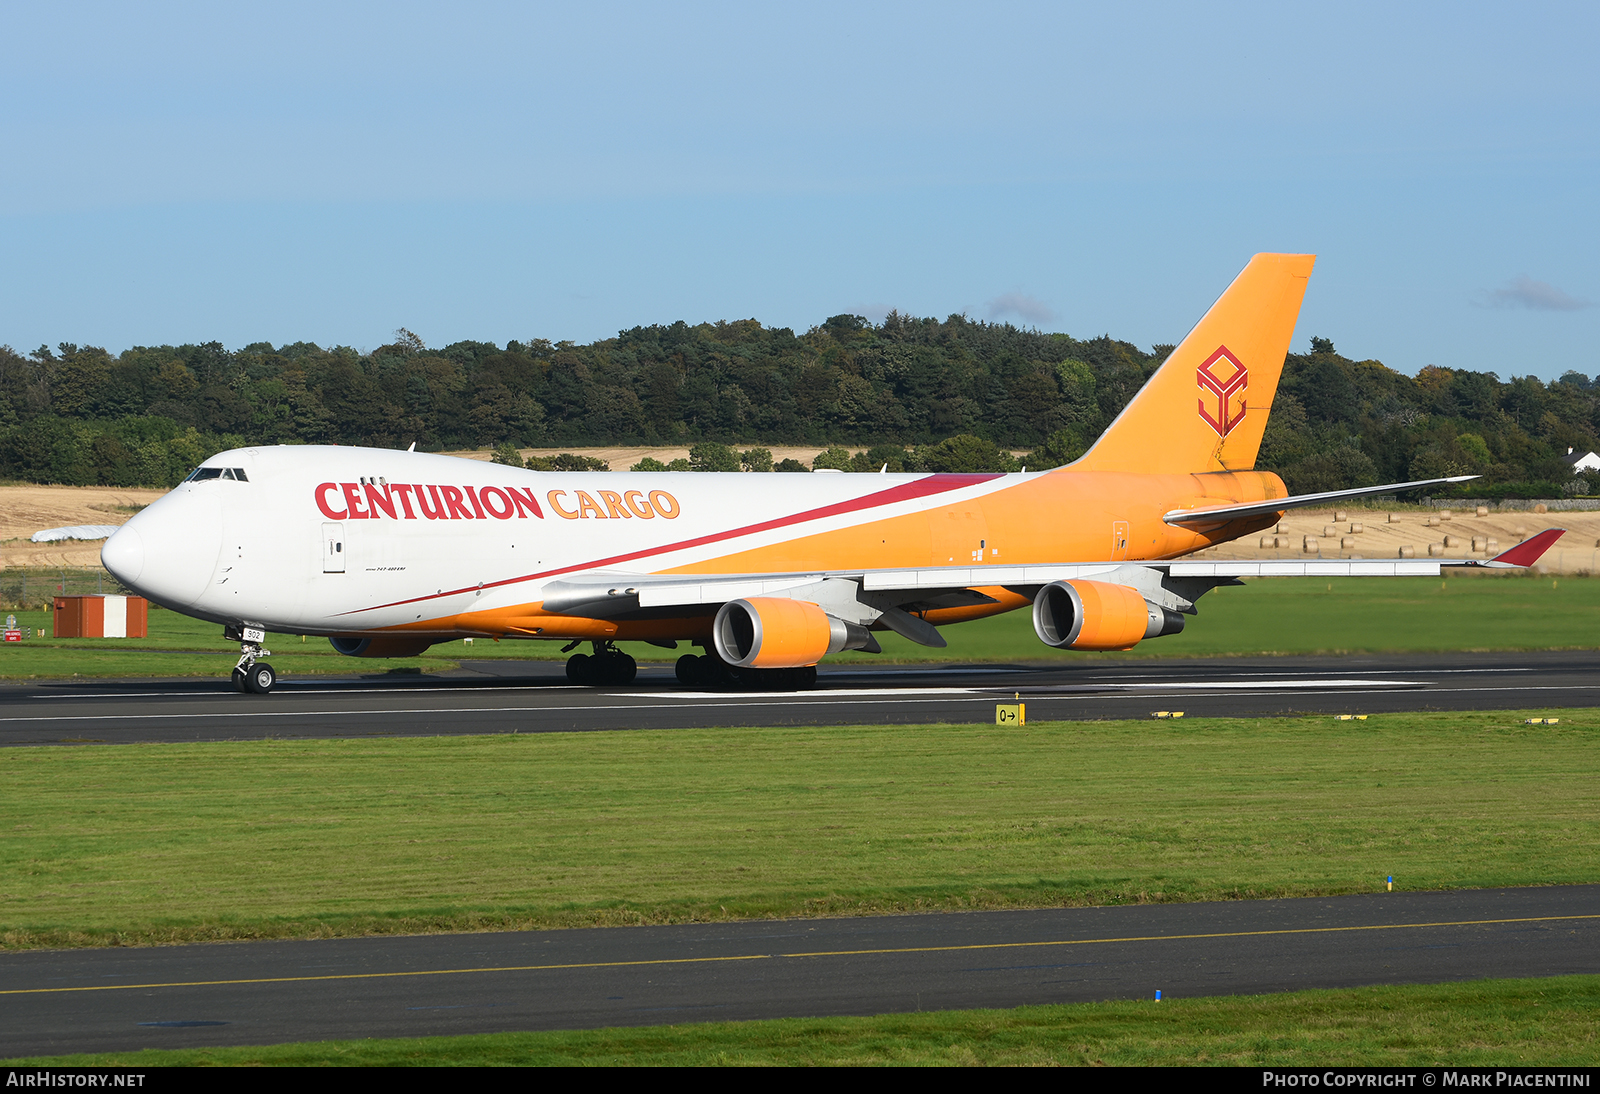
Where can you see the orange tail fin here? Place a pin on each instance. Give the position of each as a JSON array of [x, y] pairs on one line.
[[1206, 406]]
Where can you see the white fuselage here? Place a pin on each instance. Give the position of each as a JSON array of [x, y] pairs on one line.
[[336, 540]]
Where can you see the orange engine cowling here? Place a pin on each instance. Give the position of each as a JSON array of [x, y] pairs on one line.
[[1096, 615], [382, 646], [771, 632]]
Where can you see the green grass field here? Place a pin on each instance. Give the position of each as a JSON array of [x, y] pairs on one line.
[[155, 843], [183, 842], [1548, 1022], [1269, 615]]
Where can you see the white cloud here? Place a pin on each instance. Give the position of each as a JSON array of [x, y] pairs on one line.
[[1525, 292], [1022, 305]]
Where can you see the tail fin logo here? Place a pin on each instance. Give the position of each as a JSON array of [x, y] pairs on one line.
[[1222, 380]]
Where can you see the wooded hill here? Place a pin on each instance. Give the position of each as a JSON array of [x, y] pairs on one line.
[[923, 394]]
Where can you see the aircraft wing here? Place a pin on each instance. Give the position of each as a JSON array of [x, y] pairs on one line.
[[608, 594], [1223, 513], [1523, 554]]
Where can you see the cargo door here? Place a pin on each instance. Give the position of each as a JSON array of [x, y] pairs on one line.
[[333, 548]]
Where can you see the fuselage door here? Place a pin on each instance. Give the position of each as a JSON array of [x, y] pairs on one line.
[[333, 548]]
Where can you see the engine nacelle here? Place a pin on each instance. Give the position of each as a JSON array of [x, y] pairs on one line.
[[1097, 615], [382, 646], [770, 632]]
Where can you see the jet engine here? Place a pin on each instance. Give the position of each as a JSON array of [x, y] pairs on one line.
[[767, 632], [382, 646], [1096, 615]]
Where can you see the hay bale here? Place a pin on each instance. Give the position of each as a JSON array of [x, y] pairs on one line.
[[1444, 514], [1340, 514], [1491, 545], [1309, 546], [1483, 511], [1452, 541], [1281, 541], [1480, 543], [1541, 508], [1329, 530], [1408, 551], [1357, 529], [1269, 541], [1347, 542], [1391, 518], [1435, 550]]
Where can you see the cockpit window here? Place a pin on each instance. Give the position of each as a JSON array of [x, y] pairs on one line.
[[201, 473]]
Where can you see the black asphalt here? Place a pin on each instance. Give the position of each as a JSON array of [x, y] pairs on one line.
[[533, 697], [270, 992]]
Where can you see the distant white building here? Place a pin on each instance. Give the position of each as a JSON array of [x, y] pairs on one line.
[[1581, 461]]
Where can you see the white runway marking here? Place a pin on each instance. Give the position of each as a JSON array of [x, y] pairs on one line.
[[305, 687], [1328, 672], [828, 694], [1229, 685], [731, 699]]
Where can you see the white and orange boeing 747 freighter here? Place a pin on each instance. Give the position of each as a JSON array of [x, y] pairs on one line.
[[389, 552]]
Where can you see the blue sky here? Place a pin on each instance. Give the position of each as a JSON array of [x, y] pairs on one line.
[[331, 172]]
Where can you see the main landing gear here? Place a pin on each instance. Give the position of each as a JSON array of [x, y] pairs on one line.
[[606, 667], [610, 667], [710, 671], [250, 675]]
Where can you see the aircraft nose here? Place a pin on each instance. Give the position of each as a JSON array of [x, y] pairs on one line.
[[169, 551], [123, 555]]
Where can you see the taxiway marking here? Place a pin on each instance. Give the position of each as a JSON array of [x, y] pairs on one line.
[[793, 955]]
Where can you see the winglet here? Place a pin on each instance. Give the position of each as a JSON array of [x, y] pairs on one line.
[[1529, 550]]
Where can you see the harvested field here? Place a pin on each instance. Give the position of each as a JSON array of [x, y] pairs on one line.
[[26, 509], [1574, 553]]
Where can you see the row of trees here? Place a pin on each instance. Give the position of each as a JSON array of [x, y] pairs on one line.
[[916, 394], [964, 453]]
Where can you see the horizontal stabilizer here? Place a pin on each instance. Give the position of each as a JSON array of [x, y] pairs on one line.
[[1529, 550], [1224, 513]]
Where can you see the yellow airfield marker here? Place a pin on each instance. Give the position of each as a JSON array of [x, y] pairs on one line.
[[1541, 721], [1349, 717], [1166, 714], [1011, 714]]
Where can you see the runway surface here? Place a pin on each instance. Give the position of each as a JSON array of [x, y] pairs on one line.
[[534, 697], [272, 992]]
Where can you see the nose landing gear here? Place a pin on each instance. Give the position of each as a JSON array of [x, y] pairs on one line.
[[257, 679], [249, 676]]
